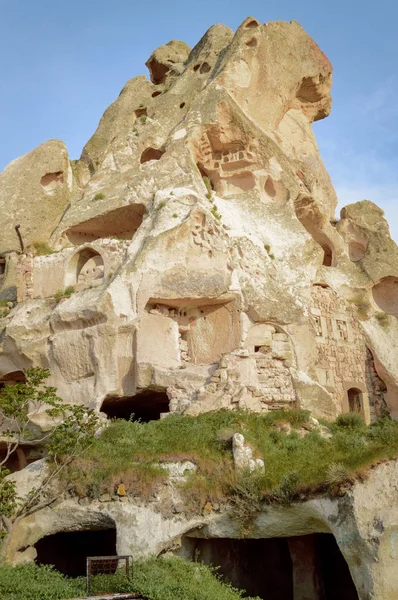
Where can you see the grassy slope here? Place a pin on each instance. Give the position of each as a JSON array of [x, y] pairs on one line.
[[158, 579], [131, 452]]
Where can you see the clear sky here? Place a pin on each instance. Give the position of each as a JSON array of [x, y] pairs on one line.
[[63, 63]]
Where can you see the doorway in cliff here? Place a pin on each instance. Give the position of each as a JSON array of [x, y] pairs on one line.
[[355, 401], [68, 550], [310, 566], [146, 406]]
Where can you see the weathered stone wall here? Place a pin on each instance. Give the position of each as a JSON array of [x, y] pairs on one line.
[[80, 267], [343, 360]]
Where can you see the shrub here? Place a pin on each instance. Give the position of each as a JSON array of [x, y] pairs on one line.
[[336, 474], [283, 493], [99, 196], [350, 420]]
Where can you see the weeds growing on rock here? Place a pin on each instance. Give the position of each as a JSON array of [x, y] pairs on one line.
[[66, 293], [99, 196], [209, 190], [42, 248]]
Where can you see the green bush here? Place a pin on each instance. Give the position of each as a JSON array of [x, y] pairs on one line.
[[350, 420], [99, 196]]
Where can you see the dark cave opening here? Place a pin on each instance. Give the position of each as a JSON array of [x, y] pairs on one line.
[[310, 566], [68, 550], [145, 406]]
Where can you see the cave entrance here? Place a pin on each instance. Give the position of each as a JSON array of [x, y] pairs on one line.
[[310, 566], [68, 550], [145, 406]]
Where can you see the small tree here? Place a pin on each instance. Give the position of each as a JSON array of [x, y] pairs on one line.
[[70, 434]]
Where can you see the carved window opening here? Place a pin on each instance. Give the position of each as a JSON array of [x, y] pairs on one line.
[[327, 256], [145, 406], [355, 401], [318, 325], [68, 550], [342, 330]]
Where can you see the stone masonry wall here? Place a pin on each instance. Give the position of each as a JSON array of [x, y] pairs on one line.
[[343, 360]]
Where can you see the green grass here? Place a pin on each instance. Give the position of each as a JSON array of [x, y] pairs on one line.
[[132, 453], [158, 579], [66, 293], [42, 248]]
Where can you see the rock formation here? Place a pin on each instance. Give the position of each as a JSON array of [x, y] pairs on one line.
[[190, 261]]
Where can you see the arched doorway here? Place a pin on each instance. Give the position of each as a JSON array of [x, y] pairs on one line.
[[85, 269]]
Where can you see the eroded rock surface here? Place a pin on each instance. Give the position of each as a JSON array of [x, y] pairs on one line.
[[198, 233], [198, 237]]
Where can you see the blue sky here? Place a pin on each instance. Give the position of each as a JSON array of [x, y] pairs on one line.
[[63, 63]]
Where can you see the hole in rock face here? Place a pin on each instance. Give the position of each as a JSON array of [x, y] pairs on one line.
[[356, 251], [121, 223], [385, 294], [2, 267], [158, 71], [50, 180], [252, 43], [309, 567], [196, 68], [355, 401], [182, 104], [270, 188], [139, 112], [145, 406], [205, 68], [151, 154], [251, 24], [68, 551], [156, 94]]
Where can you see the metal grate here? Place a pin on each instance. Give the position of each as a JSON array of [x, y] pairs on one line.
[[107, 565]]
